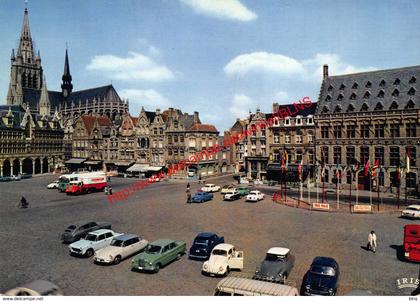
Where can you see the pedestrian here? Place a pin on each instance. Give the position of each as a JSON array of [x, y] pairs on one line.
[[110, 190], [23, 202], [106, 190], [188, 197], [199, 179], [372, 241]]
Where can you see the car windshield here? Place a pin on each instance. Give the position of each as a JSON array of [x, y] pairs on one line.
[[412, 208], [253, 193], [90, 237], [70, 228], [151, 249], [274, 257], [322, 270], [117, 243], [201, 241], [219, 252]]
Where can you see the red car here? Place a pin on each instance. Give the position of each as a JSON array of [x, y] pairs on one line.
[[412, 242]]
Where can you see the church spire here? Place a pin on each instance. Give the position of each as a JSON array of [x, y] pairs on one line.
[[44, 100], [67, 86], [26, 48]]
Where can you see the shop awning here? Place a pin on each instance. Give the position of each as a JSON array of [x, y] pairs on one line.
[[123, 163], [154, 168], [75, 161], [138, 167], [92, 162]]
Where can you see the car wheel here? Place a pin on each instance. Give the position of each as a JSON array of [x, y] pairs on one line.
[[178, 256], [227, 271], [157, 268], [117, 259], [284, 277], [89, 253]]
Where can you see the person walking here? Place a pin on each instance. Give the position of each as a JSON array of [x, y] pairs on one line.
[[372, 241], [188, 197], [188, 187], [23, 203]]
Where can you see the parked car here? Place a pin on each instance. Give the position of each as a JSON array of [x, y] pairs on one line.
[[226, 189], [258, 182], [158, 254], [5, 179], [121, 247], [231, 196], [243, 181], [203, 244], [412, 211], [255, 196], [210, 188], [223, 258], [16, 177], [92, 242], [78, 230], [53, 185], [26, 176], [276, 266], [243, 191], [201, 197], [322, 277], [36, 288], [238, 286]]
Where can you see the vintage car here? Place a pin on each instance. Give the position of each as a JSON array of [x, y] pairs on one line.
[[16, 177], [201, 197], [231, 196], [53, 185], [121, 247], [243, 190], [158, 254], [322, 277], [238, 286], [210, 188], [203, 244], [223, 258], [36, 288], [78, 230], [92, 242], [25, 176], [226, 189], [412, 211], [255, 196], [5, 179], [276, 266]]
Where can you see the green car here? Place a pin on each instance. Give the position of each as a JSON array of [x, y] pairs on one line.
[[243, 191], [158, 254]]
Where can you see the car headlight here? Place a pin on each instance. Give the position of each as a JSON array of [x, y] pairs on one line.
[[330, 291], [205, 266], [308, 287], [220, 269]]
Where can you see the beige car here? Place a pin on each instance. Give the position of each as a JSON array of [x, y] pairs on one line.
[[36, 288], [121, 247], [236, 286], [223, 258]]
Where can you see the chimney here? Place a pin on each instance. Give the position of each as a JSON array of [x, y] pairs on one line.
[[325, 72], [275, 107], [196, 120]]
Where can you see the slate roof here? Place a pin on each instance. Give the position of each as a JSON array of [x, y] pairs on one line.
[[292, 108], [372, 90], [18, 114], [187, 120]]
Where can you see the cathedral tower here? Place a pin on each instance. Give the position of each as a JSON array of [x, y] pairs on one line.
[[66, 86]]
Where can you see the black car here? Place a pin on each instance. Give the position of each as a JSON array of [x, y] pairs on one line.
[[79, 230], [322, 277], [203, 244]]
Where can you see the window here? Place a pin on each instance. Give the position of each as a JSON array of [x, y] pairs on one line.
[[337, 109], [364, 154], [411, 180], [395, 130], [379, 106], [394, 106], [287, 139], [155, 131], [364, 107], [367, 95], [328, 98], [298, 121], [410, 130], [324, 132], [394, 156], [330, 88], [340, 96], [175, 139], [412, 80], [410, 105], [412, 91], [324, 154], [276, 138], [287, 121], [298, 139], [379, 155], [311, 157], [325, 109], [379, 130], [350, 108], [382, 84], [310, 138], [381, 94], [351, 131], [310, 120], [350, 155], [337, 155], [364, 131], [161, 131], [298, 156], [368, 84], [353, 96], [355, 85], [397, 81], [411, 150], [342, 87], [337, 131]]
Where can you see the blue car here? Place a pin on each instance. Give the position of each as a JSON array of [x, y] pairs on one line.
[[322, 277], [201, 197], [203, 244]]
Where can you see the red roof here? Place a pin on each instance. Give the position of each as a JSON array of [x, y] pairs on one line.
[[198, 127], [89, 121]]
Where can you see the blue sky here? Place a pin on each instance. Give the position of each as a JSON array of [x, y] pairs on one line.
[[218, 57]]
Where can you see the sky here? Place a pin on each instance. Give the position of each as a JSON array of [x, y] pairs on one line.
[[221, 58]]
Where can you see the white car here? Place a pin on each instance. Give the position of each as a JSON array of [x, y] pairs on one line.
[[243, 181], [53, 185], [210, 188], [223, 258], [121, 247], [232, 195], [93, 241], [412, 211], [255, 196]]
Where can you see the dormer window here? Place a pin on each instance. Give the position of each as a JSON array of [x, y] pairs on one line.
[[397, 81], [364, 107], [355, 86], [310, 120], [410, 105], [412, 91], [350, 108], [10, 121], [353, 96], [381, 94], [379, 106], [396, 93], [342, 87], [298, 120], [330, 88], [367, 95], [325, 109], [287, 121], [368, 84], [412, 80], [382, 84], [337, 109], [328, 98], [394, 106], [340, 96]]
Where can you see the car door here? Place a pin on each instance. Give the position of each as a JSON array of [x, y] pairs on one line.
[[165, 255], [137, 245], [236, 260], [108, 238], [82, 231], [100, 242], [127, 248]]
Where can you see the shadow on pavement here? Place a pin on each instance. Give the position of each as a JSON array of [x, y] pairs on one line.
[[400, 251]]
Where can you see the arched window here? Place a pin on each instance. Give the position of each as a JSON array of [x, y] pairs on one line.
[[337, 109]]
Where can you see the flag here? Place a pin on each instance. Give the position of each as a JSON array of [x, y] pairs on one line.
[[375, 167], [407, 158], [367, 168]]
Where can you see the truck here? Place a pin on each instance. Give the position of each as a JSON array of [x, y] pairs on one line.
[[64, 180], [412, 242], [87, 183]]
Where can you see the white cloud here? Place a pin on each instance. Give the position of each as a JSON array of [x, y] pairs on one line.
[[281, 96], [240, 105], [150, 99], [134, 67], [263, 62], [222, 9]]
